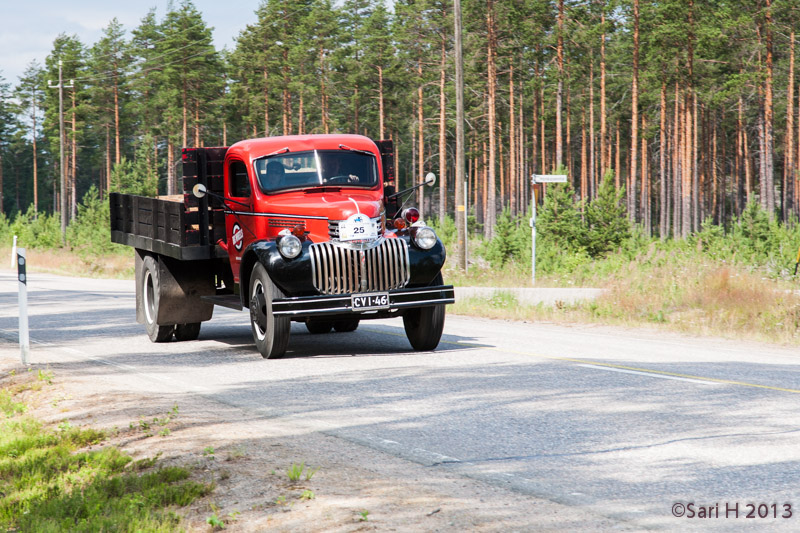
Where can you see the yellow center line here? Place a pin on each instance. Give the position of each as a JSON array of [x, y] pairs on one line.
[[609, 365]]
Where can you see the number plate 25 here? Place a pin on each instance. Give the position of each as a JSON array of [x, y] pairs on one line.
[[377, 300]]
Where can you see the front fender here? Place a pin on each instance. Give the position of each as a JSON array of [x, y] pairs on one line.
[[292, 276]]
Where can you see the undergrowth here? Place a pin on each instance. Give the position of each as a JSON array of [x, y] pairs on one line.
[[49, 481]]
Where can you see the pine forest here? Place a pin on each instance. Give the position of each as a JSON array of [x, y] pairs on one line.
[[689, 107]]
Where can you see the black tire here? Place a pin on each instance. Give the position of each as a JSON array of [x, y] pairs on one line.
[[270, 333], [150, 298], [318, 327], [343, 326], [187, 332], [424, 325]]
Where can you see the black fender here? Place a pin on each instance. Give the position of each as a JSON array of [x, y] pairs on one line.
[[292, 276]]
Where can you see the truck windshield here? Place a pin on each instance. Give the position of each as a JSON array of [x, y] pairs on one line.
[[341, 168]]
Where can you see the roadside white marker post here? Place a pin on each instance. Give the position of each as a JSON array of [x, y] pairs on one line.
[[539, 178], [24, 342], [14, 252]]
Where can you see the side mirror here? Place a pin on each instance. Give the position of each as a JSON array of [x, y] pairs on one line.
[[430, 179], [199, 190]]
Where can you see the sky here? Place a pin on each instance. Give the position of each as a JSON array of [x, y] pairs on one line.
[[29, 27]]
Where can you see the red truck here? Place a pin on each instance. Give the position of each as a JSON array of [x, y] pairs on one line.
[[295, 228]]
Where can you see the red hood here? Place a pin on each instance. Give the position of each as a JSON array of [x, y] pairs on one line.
[[334, 205]]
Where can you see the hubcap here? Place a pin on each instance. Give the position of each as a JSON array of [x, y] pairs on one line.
[[258, 310], [149, 297]]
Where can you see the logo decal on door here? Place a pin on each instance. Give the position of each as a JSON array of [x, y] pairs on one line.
[[237, 236]]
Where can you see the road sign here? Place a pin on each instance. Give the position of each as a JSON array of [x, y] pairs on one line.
[[549, 178]]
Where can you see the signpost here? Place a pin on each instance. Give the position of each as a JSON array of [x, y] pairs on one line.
[[539, 178], [24, 343]]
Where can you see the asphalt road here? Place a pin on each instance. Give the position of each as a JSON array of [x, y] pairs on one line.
[[629, 424]]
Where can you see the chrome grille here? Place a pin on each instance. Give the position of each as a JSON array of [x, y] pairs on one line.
[[339, 270], [333, 227]]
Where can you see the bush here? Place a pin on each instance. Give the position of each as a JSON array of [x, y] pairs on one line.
[[446, 230], [90, 232], [511, 241], [606, 219], [36, 230]]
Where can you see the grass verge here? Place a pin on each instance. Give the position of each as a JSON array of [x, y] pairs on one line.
[[71, 263], [673, 290], [51, 481]]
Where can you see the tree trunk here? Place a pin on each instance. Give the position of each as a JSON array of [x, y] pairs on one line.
[[593, 178], [605, 159], [560, 89], [677, 179], [634, 113], [584, 173], [380, 100], [117, 154], [512, 152], [442, 137], [74, 159], [617, 164], [662, 164], [421, 140], [35, 164], [108, 160], [686, 172], [323, 93], [768, 117], [644, 200], [491, 215], [266, 104], [788, 172]]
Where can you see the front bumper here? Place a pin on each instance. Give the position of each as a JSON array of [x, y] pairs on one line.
[[341, 304]]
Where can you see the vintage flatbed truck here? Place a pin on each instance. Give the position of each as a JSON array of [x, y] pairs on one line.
[[294, 228]]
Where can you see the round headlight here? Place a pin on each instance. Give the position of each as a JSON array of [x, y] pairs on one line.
[[425, 238], [289, 246]]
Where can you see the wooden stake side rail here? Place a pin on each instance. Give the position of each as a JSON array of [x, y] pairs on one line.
[[159, 226], [179, 226]]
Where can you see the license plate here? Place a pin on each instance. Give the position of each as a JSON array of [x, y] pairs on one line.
[[378, 300]]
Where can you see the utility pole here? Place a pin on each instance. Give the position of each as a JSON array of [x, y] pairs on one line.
[[61, 88], [461, 196]]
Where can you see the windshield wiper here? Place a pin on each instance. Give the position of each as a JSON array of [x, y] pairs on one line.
[[345, 147]]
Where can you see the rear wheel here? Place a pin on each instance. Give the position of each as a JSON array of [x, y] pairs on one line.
[[318, 327], [424, 325], [271, 333], [343, 326], [150, 298], [187, 332]]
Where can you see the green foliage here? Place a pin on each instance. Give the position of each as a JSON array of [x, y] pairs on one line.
[[138, 176], [446, 230], [295, 472], [606, 219], [47, 483], [35, 231], [511, 241], [90, 232], [559, 223]]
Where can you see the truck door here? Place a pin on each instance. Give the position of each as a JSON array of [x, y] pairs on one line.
[[238, 227]]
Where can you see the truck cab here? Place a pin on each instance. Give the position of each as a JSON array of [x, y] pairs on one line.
[[296, 228]]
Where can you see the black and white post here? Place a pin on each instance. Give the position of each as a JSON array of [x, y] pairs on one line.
[[24, 341], [535, 179]]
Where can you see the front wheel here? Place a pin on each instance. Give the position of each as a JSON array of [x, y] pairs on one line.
[[150, 300], [271, 333], [424, 325]]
